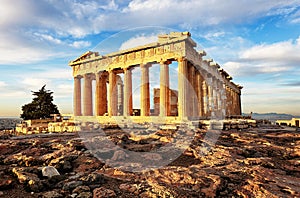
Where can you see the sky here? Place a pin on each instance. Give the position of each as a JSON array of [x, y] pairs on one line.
[[257, 42]]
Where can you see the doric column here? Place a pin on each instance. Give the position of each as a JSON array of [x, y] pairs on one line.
[[218, 98], [120, 96], [164, 98], [127, 111], [232, 102], [101, 94], [113, 91], [236, 105], [215, 96], [199, 93], [192, 94], [87, 98], [239, 104], [210, 95], [228, 101], [98, 95], [205, 98], [182, 88], [145, 92], [223, 100], [77, 96]]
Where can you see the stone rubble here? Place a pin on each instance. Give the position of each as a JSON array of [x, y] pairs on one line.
[[253, 162]]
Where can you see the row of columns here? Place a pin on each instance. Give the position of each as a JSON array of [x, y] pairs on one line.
[[204, 92], [233, 106], [199, 93]]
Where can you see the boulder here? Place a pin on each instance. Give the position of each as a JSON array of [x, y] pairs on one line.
[[49, 171]]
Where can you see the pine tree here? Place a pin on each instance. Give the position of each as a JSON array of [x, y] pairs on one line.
[[41, 106]]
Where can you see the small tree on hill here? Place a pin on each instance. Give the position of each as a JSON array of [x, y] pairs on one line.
[[41, 106]]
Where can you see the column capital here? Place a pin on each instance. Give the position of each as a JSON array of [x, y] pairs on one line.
[[78, 76], [165, 62], [181, 59], [89, 75], [144, 65], [128, 68], [110, 70]]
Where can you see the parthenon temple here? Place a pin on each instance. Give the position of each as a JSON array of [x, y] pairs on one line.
[[204, 91]]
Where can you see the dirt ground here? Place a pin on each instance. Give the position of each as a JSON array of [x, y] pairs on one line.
[[254, 162]]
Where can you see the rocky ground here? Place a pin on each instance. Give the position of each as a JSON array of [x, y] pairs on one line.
[[255, 162]]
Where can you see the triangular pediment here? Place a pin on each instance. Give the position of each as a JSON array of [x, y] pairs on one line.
[[85, 55]]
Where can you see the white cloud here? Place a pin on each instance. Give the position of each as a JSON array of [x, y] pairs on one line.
[[266, 58], [285, 51], [199, 13], [2, 84], [13, 94], [49, 38], [137, 41], [34, 83], [59, 22], [79, 18], [81, 44]]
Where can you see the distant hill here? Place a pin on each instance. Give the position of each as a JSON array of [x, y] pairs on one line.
[[271, 116]]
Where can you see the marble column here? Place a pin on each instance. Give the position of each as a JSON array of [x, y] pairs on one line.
[[205, 98], [233, 103], [193, 97], [164, 99], [145, 90], [101, 94], [77, 96], [239, 104], [228, 101], [199, 93], [210, 96], [223, 100], [120, 96], [236, 103], [182, 88], [215, 96], [88, 97], [113, 91], [127, 92], [219, 95]]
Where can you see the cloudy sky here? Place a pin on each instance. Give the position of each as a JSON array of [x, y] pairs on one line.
[[257, 42]]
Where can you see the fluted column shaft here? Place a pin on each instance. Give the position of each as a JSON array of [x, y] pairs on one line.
[[182, 88], [101, 94], [232, 102], [127, 92], [192, 99], [205, 98], [228, 101], [199, 93], [145, 92], [164, 98], [210, 96], [239, 104], [113, 91], [77, 96], [87, 98]]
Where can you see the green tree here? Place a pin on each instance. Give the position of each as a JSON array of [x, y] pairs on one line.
[[41, 106]]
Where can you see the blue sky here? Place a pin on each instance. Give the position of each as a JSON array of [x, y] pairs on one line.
[[257, 42]]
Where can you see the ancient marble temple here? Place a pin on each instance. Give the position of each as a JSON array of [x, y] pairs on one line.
[[205, 90]]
